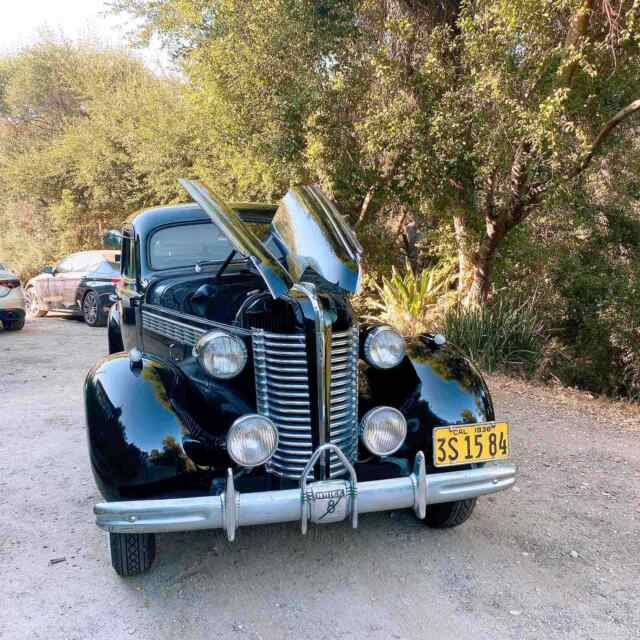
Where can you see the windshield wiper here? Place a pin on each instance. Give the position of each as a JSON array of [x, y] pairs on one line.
[[221, 270]]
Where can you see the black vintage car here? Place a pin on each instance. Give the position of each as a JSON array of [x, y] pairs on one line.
[[82, 284], [242, 390]]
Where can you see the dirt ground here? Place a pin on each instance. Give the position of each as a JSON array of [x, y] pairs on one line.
[[556, 557]]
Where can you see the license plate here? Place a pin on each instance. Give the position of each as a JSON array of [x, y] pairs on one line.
[[465, 444]]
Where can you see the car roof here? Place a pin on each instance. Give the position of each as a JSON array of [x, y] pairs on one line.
[[108, 254], [147, 219]]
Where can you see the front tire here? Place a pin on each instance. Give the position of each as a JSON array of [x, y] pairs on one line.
[[14, 325], [35, 306], [449, 514], [92, 312], [132, 553]]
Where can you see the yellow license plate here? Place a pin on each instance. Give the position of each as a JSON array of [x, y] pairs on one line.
[[466, 444]]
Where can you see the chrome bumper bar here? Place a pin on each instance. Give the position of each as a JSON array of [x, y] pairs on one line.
[[320, 502]]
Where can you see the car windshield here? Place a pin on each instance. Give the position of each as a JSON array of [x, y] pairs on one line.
[[187, 244]]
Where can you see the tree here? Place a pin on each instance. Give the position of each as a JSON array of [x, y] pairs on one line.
[[87, 135], [473, 114]]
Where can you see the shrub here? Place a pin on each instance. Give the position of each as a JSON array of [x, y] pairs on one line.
[[503, 335], [411, 302]]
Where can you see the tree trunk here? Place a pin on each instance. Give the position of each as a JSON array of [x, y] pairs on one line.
[[477, 257]]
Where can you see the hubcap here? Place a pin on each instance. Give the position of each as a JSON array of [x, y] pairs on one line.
[[90, 308]]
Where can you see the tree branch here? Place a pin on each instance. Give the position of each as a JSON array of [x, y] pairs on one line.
[[576, 33], [622, 115], [365, 205]]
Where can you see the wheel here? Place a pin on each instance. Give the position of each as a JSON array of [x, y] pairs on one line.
[[14, 325], [449, 514], [92, 313], [35, 306], [132, 553]]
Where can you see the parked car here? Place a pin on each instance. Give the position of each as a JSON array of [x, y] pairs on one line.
[[12, 309], [242, 389], [82, 284]]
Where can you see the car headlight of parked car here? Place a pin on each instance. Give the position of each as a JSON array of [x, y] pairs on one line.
[[384, 347], [252, 440], [383, 430], [221, 354]]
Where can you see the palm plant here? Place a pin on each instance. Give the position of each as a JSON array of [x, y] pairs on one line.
[[412, 301]]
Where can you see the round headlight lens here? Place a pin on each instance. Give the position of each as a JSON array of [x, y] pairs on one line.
[[384, 347], [383, 430], [221, 354], [252, 440]]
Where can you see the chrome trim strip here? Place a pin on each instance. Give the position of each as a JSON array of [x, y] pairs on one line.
[[268, 507]]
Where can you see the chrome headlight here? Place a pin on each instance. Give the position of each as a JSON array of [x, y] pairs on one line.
[[252, 440], [384, 347], [383, 430], [221, 354]]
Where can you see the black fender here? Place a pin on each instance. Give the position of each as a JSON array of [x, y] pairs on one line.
[[434, 386], [114, 334], [143, 442]]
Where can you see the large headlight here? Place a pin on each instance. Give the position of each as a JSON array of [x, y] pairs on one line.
[[384, 347], [221, 354], [383, 430], [252, 440]]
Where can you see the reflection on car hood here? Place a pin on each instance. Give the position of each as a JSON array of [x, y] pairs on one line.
[[308, 238]]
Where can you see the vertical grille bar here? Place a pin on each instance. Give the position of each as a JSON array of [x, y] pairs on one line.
[[344, 397], [283, 394]]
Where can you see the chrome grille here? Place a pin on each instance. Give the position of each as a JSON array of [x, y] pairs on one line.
[[172, 329], [282, 391]]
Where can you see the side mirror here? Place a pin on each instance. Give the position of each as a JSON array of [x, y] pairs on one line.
[[49, 270], [112, 239]]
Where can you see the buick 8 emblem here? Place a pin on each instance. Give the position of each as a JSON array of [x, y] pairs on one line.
[[329, 501]]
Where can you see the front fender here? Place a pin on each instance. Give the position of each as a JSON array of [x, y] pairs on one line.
[[135, 433], [434, 386], [152, 432]]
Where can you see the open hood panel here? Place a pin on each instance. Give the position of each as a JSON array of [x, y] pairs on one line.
[[241, 237], [314, 236], [308, 237]]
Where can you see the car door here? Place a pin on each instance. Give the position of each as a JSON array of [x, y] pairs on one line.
[[53, 288], [80, 264]]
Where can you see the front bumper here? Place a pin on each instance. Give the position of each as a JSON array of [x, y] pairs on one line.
[[12, 315], [320, 502]]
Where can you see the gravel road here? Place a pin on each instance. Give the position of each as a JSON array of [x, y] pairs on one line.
[[556, 557]]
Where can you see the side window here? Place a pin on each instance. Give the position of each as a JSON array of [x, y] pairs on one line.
[[66, 264], [85, 261]]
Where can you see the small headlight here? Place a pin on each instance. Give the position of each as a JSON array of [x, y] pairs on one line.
[[252, 440], [221, 354], [383, 430], [384, 347]]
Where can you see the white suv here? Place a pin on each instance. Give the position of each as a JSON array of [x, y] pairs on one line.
[[12, 311]]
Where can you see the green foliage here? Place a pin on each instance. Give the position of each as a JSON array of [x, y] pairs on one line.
[[411, 302], [505, 335], [87, 135], [413, 115]]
